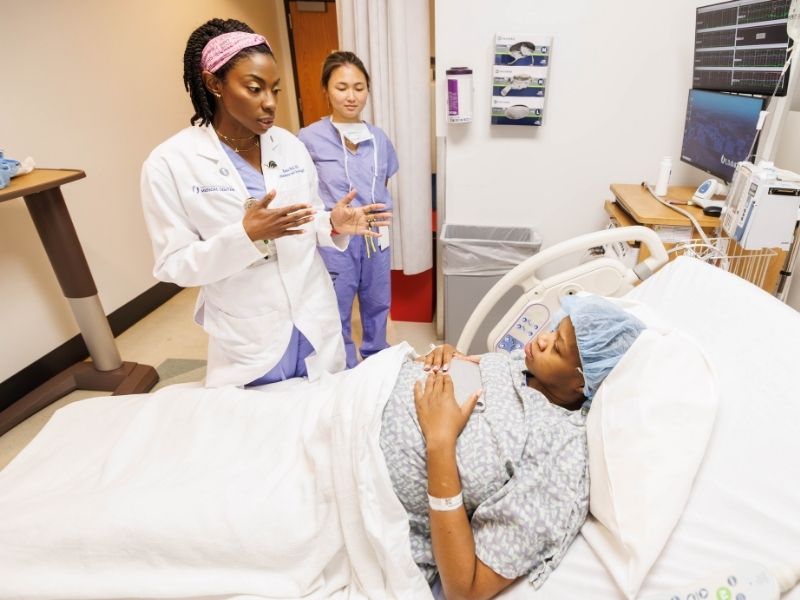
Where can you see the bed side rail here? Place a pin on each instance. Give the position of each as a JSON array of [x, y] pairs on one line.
[[605, 276]]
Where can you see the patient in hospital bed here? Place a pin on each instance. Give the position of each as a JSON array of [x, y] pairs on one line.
[[517, 454], [316, 488]]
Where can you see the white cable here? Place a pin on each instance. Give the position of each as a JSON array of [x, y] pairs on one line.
[[685, 213]]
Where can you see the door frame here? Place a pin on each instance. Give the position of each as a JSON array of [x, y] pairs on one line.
[[290, 30]]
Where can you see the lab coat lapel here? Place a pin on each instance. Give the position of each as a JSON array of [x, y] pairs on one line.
[[270, 162], [296, 253], [209, 147], [295, 260]]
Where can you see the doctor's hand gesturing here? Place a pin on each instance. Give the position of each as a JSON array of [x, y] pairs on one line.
[[263, 223], [360, 220]]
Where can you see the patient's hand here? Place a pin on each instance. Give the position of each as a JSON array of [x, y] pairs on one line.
[[440, 417], [439, 358]]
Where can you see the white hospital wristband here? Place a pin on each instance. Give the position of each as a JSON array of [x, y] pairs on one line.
[[444, 504]]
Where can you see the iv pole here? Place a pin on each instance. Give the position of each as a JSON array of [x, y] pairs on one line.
[[774, 124]]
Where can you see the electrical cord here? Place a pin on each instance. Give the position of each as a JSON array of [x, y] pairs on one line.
[[787, 174], [685, 213]]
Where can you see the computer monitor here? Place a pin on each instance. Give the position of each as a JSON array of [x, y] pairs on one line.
[[719, 131]]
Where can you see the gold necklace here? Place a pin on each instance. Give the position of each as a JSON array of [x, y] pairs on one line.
[[233, 139], [231, 142]]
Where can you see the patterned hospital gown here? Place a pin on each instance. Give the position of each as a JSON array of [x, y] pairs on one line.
[[523, 467]]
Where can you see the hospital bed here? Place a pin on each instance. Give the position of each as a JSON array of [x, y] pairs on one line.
[[741, 504]]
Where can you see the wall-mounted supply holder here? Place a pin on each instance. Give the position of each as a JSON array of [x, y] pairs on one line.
[[519, 78]]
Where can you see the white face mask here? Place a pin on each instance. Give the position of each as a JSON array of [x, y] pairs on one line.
[[355, 132]]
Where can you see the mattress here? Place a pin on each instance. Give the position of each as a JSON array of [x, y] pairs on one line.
[[744, 502]]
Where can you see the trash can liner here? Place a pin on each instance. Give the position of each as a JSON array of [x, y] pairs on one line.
[[479, 250]]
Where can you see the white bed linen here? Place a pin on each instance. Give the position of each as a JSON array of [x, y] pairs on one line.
[[744, 504], [202, 492], [639, 483], [746, 498]]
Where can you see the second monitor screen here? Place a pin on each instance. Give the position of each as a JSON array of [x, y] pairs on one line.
[[719, 131]]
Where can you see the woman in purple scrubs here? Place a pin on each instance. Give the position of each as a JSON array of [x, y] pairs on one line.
[[351, 154]]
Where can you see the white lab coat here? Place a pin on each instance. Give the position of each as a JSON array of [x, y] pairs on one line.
[[193, 199]]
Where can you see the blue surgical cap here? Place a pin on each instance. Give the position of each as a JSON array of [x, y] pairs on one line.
[[604, 333]]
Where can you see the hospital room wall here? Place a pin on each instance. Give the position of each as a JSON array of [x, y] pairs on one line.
[[96, 85], [616, 101], [787, 156]]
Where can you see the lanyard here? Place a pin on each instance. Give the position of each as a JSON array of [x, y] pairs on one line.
[[374, 165], [368, 241]]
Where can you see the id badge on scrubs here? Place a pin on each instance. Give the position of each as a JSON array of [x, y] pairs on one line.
[[383, 241]]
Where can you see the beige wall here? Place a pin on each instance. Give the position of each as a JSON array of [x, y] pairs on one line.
[[95, 85]]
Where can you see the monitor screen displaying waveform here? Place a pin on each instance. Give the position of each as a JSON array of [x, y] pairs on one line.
[[742, 46]]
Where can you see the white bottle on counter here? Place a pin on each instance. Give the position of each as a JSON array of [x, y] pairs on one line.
[[664, 171]]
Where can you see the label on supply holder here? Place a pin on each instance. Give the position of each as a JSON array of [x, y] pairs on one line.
[[517, 111]]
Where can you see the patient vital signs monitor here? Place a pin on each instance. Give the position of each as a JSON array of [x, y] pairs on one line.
[[741, 46], [720, 130]]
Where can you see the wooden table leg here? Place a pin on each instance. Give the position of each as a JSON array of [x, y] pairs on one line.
[[106, 371]]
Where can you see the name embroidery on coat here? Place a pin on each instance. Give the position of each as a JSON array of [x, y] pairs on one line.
[[206, 189], [293, 170]]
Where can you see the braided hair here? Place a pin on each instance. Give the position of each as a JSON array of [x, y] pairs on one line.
[[203, 100]]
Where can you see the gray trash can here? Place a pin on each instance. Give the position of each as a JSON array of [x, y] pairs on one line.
[[474, 258]]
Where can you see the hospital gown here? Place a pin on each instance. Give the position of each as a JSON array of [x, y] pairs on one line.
[[523, 467]]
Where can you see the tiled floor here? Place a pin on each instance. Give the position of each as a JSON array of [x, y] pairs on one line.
[[168, 332]]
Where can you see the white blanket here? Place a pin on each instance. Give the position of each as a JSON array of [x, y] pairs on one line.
[[194, 492]]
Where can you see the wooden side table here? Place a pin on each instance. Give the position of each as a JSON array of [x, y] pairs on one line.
[[106, 371], [634, 205], [646, 210]]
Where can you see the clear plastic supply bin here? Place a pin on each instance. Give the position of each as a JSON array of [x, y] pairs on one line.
[[474, 258]]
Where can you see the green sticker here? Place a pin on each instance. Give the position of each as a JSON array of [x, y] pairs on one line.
[[724, 593]]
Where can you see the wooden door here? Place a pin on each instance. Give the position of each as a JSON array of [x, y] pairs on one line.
[[314, 35]]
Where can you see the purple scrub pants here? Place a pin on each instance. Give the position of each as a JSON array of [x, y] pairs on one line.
[[353, 273], [293, 362]]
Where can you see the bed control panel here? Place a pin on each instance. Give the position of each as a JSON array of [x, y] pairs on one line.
[[743, 581], [530, 321]]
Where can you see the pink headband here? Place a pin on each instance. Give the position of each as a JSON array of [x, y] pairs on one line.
[[224, 47]]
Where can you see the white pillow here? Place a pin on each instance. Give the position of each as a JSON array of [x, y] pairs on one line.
[[647, 431]]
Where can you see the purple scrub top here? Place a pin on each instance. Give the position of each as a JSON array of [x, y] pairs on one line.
[[325, 147]]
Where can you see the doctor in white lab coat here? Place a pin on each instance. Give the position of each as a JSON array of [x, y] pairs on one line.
[[231, 205]]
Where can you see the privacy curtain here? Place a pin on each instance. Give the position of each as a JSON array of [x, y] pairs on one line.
[[392, 38]]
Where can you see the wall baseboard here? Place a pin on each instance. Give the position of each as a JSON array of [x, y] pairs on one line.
[[74, 350]]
